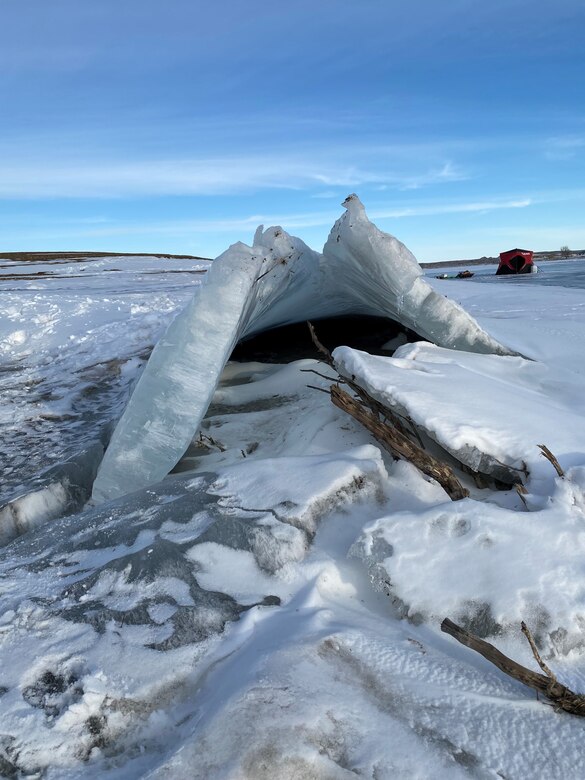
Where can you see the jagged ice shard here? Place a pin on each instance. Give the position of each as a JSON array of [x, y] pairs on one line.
[[277, 281]]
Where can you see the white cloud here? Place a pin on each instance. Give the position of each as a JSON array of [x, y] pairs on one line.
[[245, 226], [446, 173], [396, 168], [563, 147], [450, 208]]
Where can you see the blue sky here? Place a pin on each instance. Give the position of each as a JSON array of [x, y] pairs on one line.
[[178, 126]]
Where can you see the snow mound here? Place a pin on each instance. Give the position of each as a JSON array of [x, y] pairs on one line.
[[250, 289], [488, 567]]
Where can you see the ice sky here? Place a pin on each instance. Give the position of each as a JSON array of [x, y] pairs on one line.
[[179, 125]]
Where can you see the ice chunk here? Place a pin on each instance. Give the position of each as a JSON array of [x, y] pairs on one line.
[[379, 275], [59, 490], [176, 387], [32, 508], [250, 289], [481, 408]]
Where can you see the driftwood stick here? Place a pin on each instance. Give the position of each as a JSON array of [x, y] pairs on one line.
[[535, 653], [323, 350], [521, 490], [550, 457], [337, 379], [369, 401], [373, 416], [203, 438], [398, 444], [562, 697], [320, 389]]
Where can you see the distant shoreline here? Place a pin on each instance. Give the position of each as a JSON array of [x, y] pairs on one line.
[[539, 257], [39, 257]]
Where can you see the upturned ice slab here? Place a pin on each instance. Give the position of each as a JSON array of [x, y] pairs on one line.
[[277, 281]]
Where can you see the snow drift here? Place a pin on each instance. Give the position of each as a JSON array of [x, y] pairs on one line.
[[277, 281]]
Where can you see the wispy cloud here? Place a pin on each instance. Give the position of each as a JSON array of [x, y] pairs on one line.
[[451, 208], [244, 226], [448, 172], [398, 169], [564, 147]]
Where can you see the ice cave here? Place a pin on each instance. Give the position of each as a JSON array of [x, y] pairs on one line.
[[279, 281]]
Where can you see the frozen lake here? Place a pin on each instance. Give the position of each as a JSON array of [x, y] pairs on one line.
[[558, 273], [273, 607]]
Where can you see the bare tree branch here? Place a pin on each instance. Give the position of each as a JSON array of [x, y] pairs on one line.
[[398, 444], [550, 457], [562, 697], [535, 653]]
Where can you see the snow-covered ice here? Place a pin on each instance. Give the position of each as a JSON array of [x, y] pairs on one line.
[[271, 608], [484, 409]]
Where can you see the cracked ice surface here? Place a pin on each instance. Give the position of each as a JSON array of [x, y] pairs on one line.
[[126, 605]]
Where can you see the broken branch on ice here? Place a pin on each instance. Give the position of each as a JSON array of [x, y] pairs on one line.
[[535, 653], [398, 444], [551, 458], [404, 424], [388, 428], [399, 434], [562, 697]]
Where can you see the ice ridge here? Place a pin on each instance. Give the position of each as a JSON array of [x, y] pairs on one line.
[[278, 281]]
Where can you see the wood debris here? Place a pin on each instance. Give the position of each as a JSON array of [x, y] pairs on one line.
[[562, 697]]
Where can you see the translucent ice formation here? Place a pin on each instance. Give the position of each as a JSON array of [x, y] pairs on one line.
[[250, 289]]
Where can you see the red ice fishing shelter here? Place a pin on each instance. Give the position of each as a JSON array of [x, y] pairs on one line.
[[516, 261]]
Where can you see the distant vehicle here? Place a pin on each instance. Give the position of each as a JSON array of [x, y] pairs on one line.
[[516, 261], [460, 275]]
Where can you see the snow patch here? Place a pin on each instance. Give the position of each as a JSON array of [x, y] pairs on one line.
[[487, 567]]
